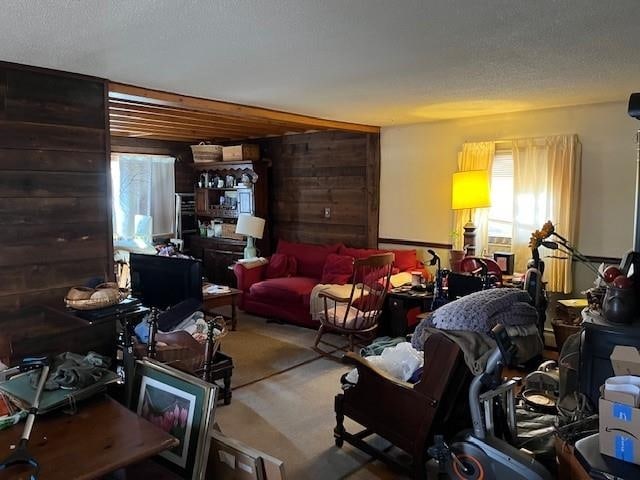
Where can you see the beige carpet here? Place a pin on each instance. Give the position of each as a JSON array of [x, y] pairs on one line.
[[257, 356], [288, 413]]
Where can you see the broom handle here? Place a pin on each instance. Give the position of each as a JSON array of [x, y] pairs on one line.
[[28, 426]]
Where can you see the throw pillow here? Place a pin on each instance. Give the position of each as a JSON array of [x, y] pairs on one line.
[[405, 259], [337, 269], [281, 265]]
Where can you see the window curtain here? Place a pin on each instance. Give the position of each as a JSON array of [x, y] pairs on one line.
[[546, 176], [142, 186], [474, 156]]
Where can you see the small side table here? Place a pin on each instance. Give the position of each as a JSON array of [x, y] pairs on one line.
[[213, 300], [222, 369], [399, 302]]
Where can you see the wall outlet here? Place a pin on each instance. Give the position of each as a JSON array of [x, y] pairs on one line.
[[327, 212]]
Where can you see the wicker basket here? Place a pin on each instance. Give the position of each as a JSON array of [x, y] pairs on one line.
[[206, 153], [96, 303]]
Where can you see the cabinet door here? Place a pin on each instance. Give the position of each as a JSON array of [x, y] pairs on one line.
[[245, 201], [202, 201]]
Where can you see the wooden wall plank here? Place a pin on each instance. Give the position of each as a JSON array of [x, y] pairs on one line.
[[51, 137], [39, 98], [52, 210], [314, 171], [52, 161], [52, 184]]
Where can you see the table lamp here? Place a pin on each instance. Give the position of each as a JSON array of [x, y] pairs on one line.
[[470, 190], [252, 227]]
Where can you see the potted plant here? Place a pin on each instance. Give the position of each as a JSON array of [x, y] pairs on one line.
[[457, 252]]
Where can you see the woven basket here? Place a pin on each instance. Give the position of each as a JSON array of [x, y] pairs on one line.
[[206, 153], [96, 303]]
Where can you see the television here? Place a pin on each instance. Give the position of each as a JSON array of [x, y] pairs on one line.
[[163, 282]]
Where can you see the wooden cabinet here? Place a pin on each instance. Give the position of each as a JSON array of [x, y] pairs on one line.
[[232, 188]]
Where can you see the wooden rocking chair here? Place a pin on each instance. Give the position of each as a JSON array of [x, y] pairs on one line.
[[357, 315]]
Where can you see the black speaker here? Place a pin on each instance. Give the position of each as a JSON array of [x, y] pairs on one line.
[[634, 105]]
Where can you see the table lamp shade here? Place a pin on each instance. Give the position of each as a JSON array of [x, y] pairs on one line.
[[250, 226], [470, 189]]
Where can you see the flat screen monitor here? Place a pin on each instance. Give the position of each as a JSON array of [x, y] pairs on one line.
[[163, 282]]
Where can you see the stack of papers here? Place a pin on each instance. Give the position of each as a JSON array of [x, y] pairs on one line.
[[213, 289]]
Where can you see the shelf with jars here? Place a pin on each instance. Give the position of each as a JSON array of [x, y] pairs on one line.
[[223, 191]]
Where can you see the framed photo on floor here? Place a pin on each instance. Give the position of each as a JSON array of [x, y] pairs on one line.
[[183, 406]]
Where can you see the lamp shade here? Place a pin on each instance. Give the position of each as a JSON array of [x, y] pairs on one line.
[[470, 189], [250, 226]]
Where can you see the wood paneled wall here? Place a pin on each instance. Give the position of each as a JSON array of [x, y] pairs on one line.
[[55, 213], [186, 177], [314, 171]]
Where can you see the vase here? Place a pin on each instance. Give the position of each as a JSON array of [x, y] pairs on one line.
[[619, 305]]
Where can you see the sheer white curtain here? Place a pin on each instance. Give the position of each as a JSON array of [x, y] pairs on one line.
[[142, 185], [546, 177], [474, 156]]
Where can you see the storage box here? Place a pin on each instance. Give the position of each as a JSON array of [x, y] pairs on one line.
[[620, 422], [246, 151]]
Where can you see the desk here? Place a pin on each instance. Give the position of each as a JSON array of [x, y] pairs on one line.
[[102, 437]]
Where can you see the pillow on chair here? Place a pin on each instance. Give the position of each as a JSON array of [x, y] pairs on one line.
[[337, 269]]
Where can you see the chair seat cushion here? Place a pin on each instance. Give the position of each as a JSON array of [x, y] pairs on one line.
[[355, 318], [285, 289]]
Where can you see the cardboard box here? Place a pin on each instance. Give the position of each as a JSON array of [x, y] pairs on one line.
[[620, 422], [246, 151]]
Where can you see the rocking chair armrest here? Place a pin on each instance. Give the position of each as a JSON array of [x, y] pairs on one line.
[[365, 368], [334, 297]]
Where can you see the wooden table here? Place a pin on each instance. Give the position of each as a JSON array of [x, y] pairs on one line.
[[213, 300], [399, 302], [100, 438]]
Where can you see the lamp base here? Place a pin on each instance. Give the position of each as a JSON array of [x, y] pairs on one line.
[[250, 250], [470, 239]]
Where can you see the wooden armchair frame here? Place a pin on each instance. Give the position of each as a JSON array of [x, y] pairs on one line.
[[407, 415]]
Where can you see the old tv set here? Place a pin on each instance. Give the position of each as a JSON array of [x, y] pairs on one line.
[[164, 282]]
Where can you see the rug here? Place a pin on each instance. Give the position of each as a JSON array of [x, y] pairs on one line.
[[257, 355]]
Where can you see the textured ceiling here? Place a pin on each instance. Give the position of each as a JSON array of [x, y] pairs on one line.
[[377, 62]]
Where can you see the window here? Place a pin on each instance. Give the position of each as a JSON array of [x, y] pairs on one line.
[[500, 217], [143, 193]]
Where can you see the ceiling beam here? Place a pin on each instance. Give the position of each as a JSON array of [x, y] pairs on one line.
[[120, 91]]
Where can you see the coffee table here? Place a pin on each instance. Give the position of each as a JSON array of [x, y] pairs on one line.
[[213, 300]]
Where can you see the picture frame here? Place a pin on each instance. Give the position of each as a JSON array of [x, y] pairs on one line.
[[183, 406], [230, 459], [505, 261]]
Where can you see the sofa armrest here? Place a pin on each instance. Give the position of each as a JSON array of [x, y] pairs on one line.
[[248, 276]]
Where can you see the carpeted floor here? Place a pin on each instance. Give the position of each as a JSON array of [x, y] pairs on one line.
[[283, 402]]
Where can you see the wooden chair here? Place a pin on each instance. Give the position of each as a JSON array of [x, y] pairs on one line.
[[407, 415], [357, 315]]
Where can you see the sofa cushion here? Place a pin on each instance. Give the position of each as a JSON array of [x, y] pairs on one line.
[[310, 257], [405, 259], [281, 265], [284, 290], [359, 252], [338, 269]]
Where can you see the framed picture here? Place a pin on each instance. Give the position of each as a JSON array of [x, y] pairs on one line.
[[505, 261], [181, 405]]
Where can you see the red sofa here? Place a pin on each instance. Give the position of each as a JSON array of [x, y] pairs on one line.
[[287, 297]]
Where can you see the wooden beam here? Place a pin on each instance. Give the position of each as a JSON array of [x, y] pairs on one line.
[[156, 97]]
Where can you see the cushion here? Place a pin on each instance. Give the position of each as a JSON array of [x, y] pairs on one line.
[[281, 265], [354, 319], [359, 252], [284, 290], [310, 257], [405, 259], [338, 269]]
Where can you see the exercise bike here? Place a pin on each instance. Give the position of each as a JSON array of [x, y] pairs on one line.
[[478, 454]]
